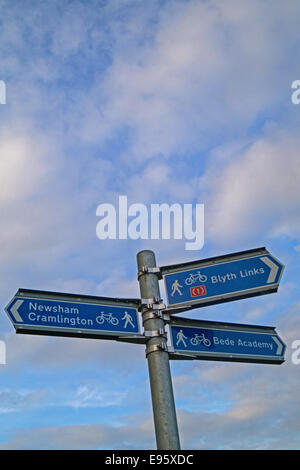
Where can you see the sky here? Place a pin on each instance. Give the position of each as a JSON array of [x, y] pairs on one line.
[[164, 101]]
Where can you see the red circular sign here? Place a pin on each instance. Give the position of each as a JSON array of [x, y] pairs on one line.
[[197, 291]]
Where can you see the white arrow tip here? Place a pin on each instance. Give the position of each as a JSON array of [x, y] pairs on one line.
[[14, 310], [273, 269], [279, 345]]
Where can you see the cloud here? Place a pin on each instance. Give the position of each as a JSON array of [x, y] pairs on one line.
[[160, 77], [23, 166], [26, 176], [97, 436], [258, 190], [205, 68], [56, 352], [13, 400], [93, 396], [177, 103]]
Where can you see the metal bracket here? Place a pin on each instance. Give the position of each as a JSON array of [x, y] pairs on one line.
[[148, 270], [150, 302], [156, 347], [180, 355], [154, 303], [153, 314], [137, 339], [153, 333], [158, 306]]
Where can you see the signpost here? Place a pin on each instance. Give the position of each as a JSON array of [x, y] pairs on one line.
[[222, 279], [216, 341], [50, 313], [188, 285]]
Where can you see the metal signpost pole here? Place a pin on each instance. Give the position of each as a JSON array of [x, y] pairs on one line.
[[165, 421]]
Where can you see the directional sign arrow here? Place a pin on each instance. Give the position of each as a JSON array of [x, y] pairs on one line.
[[217, 341], [274, 268], [15, 310], [222, 279], [51, 313], [279, 344]]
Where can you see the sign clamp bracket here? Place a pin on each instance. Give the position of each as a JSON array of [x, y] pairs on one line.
[[148, 270], [156, 347], [154, 303], [155, 333], [188, 355], [153, 314]]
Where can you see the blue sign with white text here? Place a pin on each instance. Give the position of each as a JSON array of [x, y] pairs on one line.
[[60, 315], [219, 281], [224, 343]]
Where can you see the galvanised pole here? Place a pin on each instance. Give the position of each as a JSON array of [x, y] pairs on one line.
[[164, 412]]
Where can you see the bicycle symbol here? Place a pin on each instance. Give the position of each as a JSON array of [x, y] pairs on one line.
[[195, 277], [198, 339], [108, 317]]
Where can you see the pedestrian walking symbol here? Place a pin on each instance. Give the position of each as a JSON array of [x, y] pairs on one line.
[[176, 288], [180, 338], [128, 319]]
